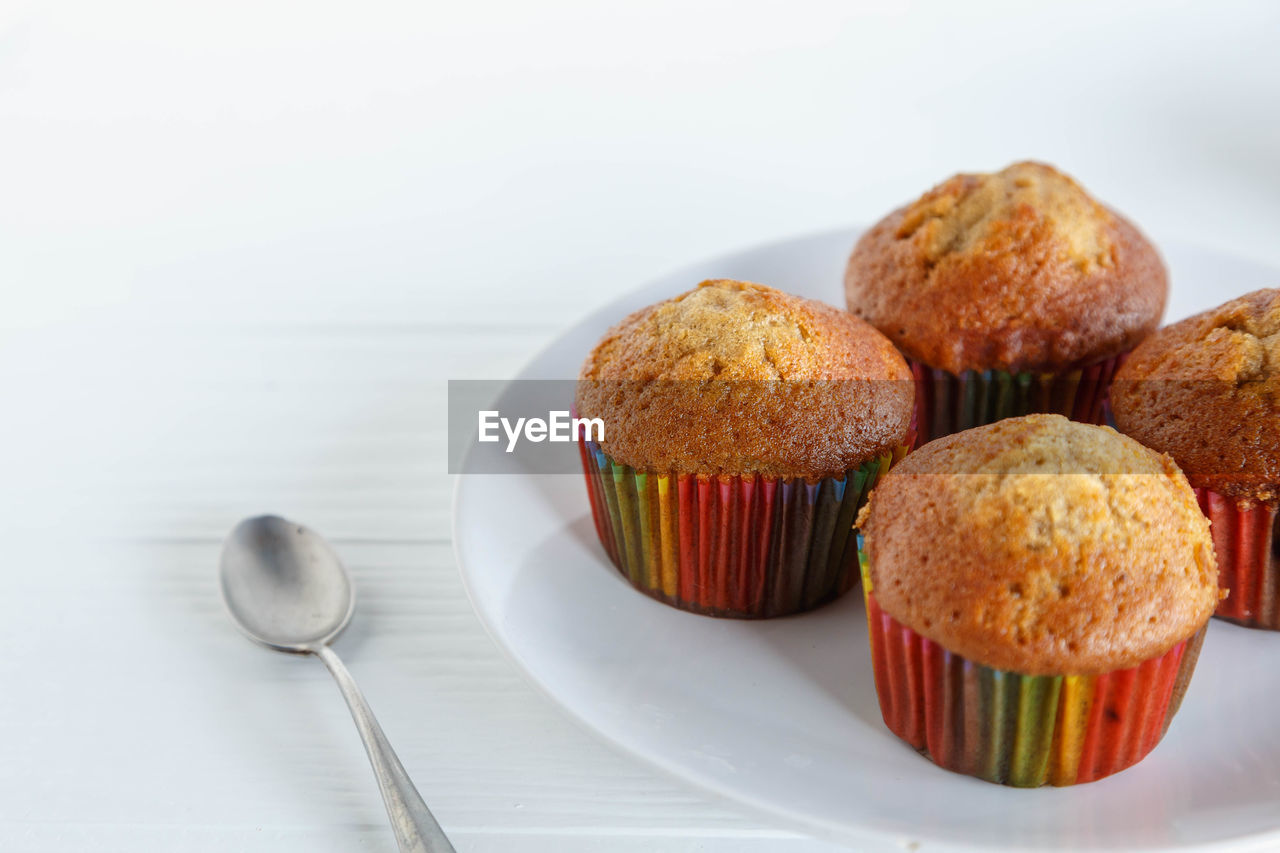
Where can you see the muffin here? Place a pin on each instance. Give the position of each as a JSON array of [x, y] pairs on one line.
[[742, 429], [1037, 592], [1009, 293], [1207, 392]]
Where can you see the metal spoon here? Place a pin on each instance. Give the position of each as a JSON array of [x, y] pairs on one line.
[[286, 589]]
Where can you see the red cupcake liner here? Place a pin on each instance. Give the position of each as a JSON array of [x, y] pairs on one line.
[[1246, 539], [1015, 729], [743, 547], [947, 403]]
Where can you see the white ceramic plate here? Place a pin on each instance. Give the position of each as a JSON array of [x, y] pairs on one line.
[[782, 714]]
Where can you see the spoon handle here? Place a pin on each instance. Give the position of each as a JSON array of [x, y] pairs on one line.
[[416, 830]]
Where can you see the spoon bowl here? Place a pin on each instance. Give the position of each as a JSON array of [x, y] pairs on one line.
[[284, 585]]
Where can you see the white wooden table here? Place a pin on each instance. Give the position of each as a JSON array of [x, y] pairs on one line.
[[244, 245]]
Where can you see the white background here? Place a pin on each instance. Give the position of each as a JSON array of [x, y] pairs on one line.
[[243, 245]]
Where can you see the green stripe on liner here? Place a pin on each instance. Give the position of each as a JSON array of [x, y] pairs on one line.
[[971, 385], [942, 404], [799, 536], [845, 538], [1033, 738], [648, 572], [995, 715], [609, 484], [826, 513], [1025, 383], [624, 484], [1004, 404]]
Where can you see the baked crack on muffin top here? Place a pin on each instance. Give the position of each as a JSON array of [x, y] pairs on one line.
[[1206, 391], [972, 213], [1041, 546], [734, 378], [1017, 270]]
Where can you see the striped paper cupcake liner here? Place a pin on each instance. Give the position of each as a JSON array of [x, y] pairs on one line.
[[947, 403], [1246, 539], [1021, 730], [744, 547]]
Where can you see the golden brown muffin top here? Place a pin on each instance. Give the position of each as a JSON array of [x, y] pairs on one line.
[[1042, 546], [1207, 392], [1018, 270], [737, 378]]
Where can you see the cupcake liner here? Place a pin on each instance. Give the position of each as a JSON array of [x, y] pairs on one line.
[[1021, 730], [745, 547], [1246, 539], [947, 403]]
